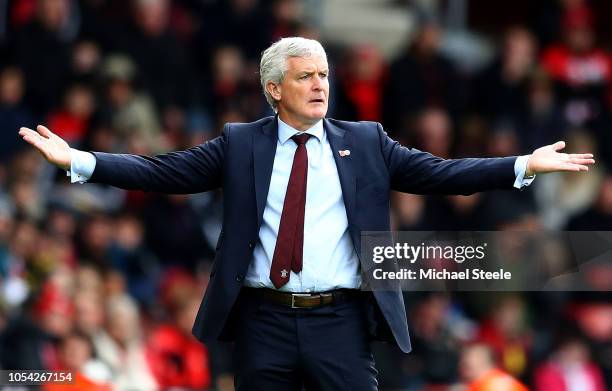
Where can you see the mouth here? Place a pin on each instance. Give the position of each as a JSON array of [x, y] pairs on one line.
[[319, 100]]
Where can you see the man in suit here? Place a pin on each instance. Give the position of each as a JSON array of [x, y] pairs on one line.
[[298, 190]]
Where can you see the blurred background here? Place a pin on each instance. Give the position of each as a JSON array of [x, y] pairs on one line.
[[106, 282]]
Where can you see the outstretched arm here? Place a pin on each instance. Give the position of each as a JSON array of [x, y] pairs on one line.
[[418, 172], [191, 171]]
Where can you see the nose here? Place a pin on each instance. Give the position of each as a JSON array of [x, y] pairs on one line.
[[317, 83]]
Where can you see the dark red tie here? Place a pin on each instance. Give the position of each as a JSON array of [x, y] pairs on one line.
[[289, 249]]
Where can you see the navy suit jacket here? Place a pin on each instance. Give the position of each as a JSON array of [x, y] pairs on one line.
[[240, 161]]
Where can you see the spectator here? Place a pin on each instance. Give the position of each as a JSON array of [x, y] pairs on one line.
[[32, 339], [420, 77], [21, 248], [435, 344], [361, 79], [88, 374], [86, 59], [160, 57], [501, 89], [89, 312], [120, 347], [240, 23], [408, 210], [507, 333], [134, 260], [286, 16], [95, 241], [230, 88], [176, 357], [72, 118], [580, 69], [47, 37], [480, 373], [6, 226], [174, 233], [131, 113], [561, 197], [569, 369], [541, 122], [434, 132], [13, 112], [599, 216]]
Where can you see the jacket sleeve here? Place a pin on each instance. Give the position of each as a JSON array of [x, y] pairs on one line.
[[414, 171], [193, 170]]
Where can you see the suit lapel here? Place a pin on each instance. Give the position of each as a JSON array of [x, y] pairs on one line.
[[341, 140], [264, 150]]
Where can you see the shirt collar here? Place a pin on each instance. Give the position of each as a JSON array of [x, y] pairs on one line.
[[285, 132]]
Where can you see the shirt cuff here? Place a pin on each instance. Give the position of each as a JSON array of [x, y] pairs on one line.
[[520, 168], [82, 166]]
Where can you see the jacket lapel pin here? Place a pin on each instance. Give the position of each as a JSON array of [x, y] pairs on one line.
[[344, 153]]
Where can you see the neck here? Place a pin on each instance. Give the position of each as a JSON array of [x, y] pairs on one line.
[[301, 125]]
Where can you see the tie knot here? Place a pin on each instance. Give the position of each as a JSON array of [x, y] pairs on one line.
[[300, 139]]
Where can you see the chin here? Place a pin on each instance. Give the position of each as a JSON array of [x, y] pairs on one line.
[[318, 113]]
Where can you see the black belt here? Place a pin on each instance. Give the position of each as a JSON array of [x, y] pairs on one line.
[[304, 300]]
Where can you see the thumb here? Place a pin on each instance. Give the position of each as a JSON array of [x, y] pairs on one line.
[[559, 145], [43, 130]]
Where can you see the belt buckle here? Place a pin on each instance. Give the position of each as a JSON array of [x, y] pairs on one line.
[[294, 295]]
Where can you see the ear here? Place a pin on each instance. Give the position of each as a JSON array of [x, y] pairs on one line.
[[274, 90]]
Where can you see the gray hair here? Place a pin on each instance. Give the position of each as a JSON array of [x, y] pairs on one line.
[[274, 60]]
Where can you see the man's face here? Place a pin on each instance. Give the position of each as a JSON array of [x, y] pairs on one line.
[[303, 93]]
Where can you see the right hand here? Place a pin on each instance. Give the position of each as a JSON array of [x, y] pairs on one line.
[[52, 147]]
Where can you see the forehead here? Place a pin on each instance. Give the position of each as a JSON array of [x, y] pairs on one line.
[[306, 64]]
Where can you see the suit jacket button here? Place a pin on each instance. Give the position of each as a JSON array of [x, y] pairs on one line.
[[251, 245], [239, 277]]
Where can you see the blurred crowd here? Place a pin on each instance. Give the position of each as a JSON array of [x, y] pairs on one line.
[[107, 282]]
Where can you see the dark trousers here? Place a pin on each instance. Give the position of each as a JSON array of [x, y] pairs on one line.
[[282, 348]]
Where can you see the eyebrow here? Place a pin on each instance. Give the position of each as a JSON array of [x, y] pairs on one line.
[[303, 73]]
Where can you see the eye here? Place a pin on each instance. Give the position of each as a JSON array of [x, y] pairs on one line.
[[304, 77], [323, 75]]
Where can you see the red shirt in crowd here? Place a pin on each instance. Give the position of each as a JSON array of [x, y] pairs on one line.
[[178, 360]]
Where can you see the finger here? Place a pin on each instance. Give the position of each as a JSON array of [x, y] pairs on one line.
[[36, 142], [29, 139], [574, 167], [559, 145], [33, 138], [582, 161], [581, 155], [23, 131], [44, 131], [30, 133]]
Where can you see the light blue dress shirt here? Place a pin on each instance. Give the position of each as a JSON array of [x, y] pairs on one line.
[[330, 260]]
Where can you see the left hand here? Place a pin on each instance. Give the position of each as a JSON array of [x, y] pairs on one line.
[[548, 159]]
